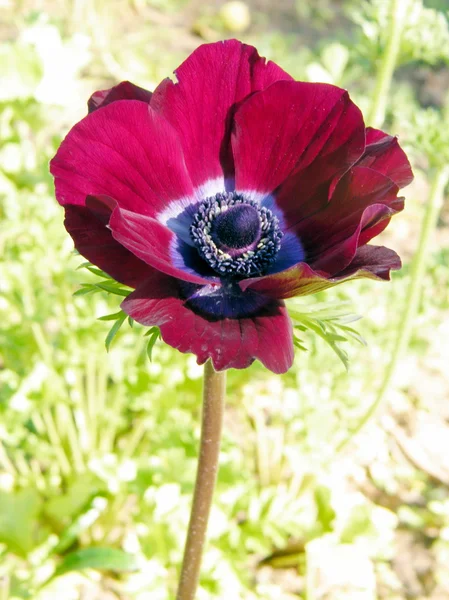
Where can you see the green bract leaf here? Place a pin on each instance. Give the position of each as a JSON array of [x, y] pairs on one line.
[[114, 288], [111, 286], [87, 288], [112, 317], [98, 272], [299, 344], [154, 334], [95, 270], [114, 329], [329, 322], [109, 559]]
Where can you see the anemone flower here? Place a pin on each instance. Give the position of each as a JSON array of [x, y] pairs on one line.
[[221, 195]]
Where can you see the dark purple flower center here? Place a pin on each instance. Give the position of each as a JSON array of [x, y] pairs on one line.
[[236, 236], [236, 228]]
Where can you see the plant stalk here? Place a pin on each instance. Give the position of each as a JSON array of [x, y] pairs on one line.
[[214, 391], [413, 295], [398, 14]]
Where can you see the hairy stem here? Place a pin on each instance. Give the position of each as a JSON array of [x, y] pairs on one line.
[[213, 408], [412, 295], [398, 12]]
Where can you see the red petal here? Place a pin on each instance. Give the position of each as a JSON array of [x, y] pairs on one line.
[[229, 343], [123, 91], [95, 242], [374, 262], [151, 242], [373, 221], [200, 106], [289, 127], [333, 228], [383, 154], [125, 151]]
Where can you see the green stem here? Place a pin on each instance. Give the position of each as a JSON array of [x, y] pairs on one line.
[[213, 408], [398, 12], [412, 296]]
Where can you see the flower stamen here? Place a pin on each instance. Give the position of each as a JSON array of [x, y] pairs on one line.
[[235, 235]]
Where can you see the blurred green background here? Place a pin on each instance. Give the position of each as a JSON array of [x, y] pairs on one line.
[[98, 450]]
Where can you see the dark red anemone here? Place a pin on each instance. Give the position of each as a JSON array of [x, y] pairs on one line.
[[221, 195]]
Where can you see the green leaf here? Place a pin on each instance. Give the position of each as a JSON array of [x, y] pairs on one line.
[[18, 516], [105, 559], [83, 265], [113, 288], [112, 317], [95, 270], [353, 334], [114, 330], [342, 355], [154, 334], [298, 344], [322, 310], [109, 285], [98, 272], [87, 288], [329, 322]]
